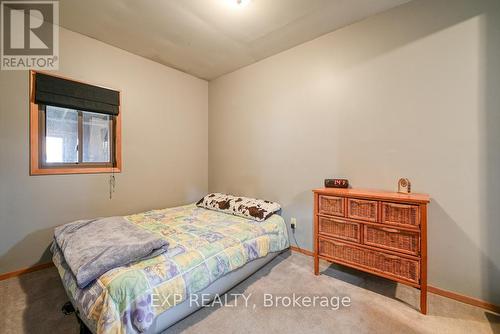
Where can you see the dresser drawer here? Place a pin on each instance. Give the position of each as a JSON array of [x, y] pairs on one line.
[[392, 239], [331, 205], [362, 209], [340, 229], [391, 265], [400, 214]]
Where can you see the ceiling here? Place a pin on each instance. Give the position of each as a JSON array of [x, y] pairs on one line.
[[208, 38]]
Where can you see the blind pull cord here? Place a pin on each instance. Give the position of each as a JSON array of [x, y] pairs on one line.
[[112, 182]]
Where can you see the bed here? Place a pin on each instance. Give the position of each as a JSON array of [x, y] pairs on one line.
[[209, 252]]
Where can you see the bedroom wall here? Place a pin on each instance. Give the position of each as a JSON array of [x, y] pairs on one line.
[[412, 92], [164, 149]]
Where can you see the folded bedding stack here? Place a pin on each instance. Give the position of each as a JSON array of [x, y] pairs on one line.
[[92, 247]]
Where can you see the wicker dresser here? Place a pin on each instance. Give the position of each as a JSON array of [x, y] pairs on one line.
[[382, 233]]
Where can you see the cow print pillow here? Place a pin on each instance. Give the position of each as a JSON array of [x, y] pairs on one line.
[[245, 207]]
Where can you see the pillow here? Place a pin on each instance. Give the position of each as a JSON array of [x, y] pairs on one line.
[[245, 207]]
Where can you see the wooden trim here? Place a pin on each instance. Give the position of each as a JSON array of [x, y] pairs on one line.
[[26, 270], [379, 195], [437, 291], [316, 231], [34, 126], [35, 166], [423, 258], [118, 138], [302, 251], [464, 299]]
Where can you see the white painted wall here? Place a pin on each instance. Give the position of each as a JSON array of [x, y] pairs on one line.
[[164, 130], [413, 92]]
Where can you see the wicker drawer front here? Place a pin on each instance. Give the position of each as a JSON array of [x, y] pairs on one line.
[[340, 229], [400, 214], [362, 209], [331, 205], [393, 239], [391, 265]]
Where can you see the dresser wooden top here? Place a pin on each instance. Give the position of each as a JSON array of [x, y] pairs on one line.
[[374, 194]]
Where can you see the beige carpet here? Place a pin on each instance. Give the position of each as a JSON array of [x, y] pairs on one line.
[[31, 304]]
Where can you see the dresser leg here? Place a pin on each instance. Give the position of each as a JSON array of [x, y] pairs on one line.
[[315, 233], [316, 265], [423, 262], [423, 300]]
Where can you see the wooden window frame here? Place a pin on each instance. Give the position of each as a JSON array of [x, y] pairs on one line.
[[38, 167]]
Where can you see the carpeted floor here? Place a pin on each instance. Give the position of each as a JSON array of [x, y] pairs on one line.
[[31, 304]]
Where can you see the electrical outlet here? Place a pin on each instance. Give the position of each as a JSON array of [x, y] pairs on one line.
[[293, 223]]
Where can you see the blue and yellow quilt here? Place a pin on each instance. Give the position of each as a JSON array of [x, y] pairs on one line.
[[204, 245]]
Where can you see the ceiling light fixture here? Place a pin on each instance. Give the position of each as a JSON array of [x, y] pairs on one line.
[[240, 3]]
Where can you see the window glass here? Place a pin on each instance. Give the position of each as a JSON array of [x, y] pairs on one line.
[[61, 141], [96, 137]]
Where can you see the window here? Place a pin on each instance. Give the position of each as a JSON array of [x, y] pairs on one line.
[[75, 137], [61, 135], [65, 138]]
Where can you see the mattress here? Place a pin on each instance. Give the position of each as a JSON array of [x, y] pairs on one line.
[[204, 247]]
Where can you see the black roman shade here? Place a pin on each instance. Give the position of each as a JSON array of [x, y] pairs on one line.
[[70, 94]]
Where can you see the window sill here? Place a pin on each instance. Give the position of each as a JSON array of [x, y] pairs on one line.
[[62, 171]]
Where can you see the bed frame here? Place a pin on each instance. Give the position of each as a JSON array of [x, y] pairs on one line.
[[184, 309]]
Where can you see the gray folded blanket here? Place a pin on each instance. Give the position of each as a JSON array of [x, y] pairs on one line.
[[92, 247]]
